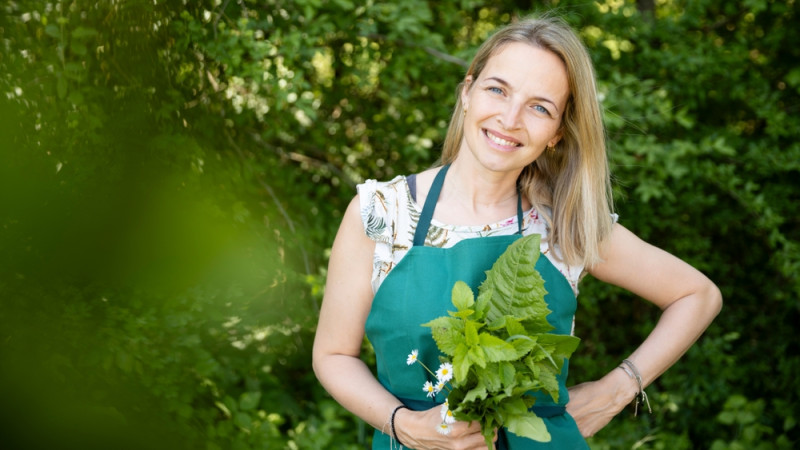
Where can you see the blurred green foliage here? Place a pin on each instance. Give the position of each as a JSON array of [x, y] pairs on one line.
[[173, 173]]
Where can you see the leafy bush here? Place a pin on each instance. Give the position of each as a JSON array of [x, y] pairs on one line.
[[172, 178]]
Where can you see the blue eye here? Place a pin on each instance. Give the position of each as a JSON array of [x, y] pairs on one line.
[[495, 90], [541, 109]]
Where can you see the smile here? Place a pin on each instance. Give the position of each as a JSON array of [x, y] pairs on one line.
[[500, 141]]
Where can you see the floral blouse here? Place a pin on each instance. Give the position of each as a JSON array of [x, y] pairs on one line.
[[390, 215]]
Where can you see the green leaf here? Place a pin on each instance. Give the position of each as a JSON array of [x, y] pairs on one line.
[[508, 375], [78, 48], [52, 30], [482, 304], [528, 425], [492, 380], [477, 393], [249, 400], [463, 297], [471, 333], [461, 362], [477, 356], [517, 407], [559, 347], [522, 344], [83, 33], [242, 420], [530, 363], [463, 313], [448, 332], [61, 87], [515, 286], [547, 376], [496, 349]]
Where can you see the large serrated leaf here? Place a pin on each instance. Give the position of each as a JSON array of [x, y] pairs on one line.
[[514, 285]]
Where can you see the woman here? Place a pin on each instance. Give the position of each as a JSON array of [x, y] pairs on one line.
[[524, 154]]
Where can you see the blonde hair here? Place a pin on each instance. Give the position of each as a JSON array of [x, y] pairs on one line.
[[569, 185]]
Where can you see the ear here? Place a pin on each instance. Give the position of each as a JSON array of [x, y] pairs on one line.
[[465, 91], [557, 138]]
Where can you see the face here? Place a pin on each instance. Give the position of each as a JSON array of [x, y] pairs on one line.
[[514, 108]]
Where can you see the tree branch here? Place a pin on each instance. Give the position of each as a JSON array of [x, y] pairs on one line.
[[430, 50], [277, 202]]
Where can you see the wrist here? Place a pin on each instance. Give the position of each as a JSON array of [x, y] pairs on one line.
[[394, 423], [625, 388], [633, 373]]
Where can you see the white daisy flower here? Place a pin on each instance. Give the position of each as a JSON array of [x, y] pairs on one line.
[[429, 389], [443, 428], [438, 386], [447, 414], [412, 358], [445, 372]]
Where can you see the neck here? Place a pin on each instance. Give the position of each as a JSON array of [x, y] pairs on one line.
[[480, 189]]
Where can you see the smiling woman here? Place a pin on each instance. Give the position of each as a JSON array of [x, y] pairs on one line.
[[524, 155], [507, 108]]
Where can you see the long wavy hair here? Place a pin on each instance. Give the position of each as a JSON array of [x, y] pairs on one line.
[[569, 185]]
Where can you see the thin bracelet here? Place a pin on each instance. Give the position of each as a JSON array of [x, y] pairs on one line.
[[641, 397], [391, 423]]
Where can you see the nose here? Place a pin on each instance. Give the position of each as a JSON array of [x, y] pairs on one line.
[[509, 118]]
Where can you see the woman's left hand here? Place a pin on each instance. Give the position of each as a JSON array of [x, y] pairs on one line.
[[594, 404]]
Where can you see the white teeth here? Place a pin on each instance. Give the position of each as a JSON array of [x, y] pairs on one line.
[[500, 141]]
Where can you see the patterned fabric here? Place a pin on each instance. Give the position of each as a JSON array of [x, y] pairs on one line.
[[390, 217]]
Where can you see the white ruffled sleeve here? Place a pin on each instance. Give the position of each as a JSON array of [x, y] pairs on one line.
[[375, 214], [379, 203]]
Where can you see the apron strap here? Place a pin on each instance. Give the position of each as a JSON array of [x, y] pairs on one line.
[[430, 204], [519, 212], [427, 210]]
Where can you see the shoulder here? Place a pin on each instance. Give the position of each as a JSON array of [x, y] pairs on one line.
[[424, 182], [380, 203], [370, 189]]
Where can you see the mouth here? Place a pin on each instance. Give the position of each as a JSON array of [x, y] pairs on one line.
[[504, 142]]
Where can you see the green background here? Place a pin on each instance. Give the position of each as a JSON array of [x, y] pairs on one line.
[[172, 175]]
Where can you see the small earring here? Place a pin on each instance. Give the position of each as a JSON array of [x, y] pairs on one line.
[[465, 111]]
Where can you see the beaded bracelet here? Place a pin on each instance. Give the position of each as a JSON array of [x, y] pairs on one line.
[[641, 397], [391, 423]]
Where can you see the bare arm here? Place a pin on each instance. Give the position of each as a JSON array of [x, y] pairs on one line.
[[340, 332], [689, 302], [337, 345]]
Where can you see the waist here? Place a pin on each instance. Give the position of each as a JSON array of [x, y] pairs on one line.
[[542, 411]]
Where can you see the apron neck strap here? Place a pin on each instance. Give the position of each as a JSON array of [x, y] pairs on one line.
[[430, 204], [427, 210]]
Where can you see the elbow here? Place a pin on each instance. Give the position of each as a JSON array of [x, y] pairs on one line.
[[316, 360], [713, 299]]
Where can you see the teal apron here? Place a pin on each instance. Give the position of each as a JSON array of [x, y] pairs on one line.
[[418, 289]]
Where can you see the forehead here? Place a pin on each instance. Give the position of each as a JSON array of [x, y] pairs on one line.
[[528, 68]]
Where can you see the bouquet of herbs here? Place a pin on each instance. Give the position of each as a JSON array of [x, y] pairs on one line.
[[500, 348]]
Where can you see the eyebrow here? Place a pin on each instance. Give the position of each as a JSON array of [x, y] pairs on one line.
[[538, 98]]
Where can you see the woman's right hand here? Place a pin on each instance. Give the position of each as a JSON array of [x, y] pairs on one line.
[[420, 430]]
